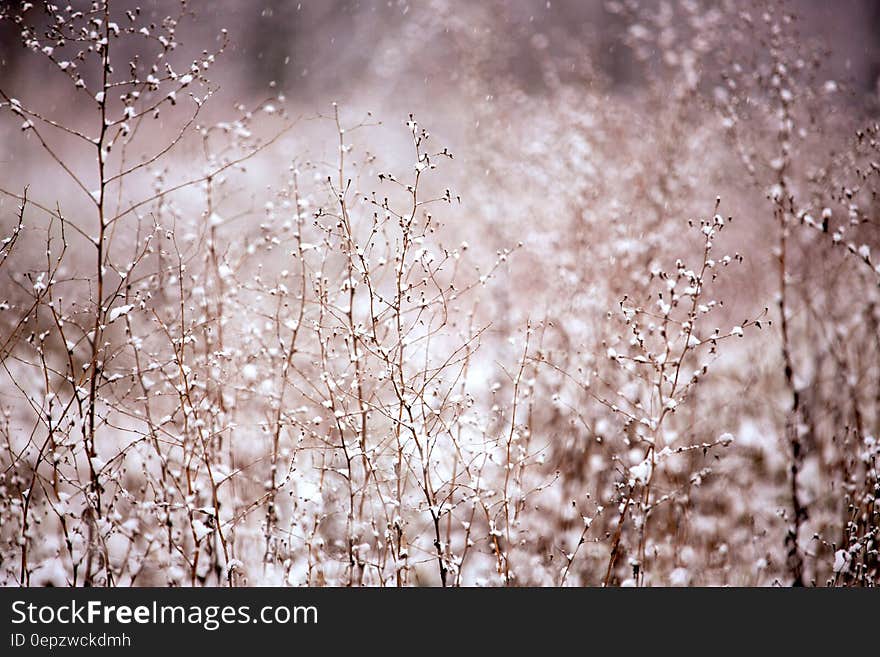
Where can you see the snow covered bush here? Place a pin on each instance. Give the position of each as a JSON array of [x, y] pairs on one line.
[[608, 338]]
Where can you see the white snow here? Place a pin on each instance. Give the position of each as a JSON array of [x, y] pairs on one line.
[[841, 561], [119, 311]]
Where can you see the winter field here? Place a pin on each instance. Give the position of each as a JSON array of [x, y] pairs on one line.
[[439, 294]]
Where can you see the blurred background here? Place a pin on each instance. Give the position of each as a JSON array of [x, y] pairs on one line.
[[415, 53]]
